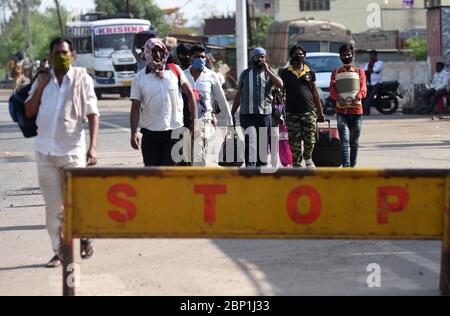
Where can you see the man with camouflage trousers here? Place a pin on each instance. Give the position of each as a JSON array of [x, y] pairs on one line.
[[302, 100]]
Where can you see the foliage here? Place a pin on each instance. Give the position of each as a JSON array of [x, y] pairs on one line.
[[419, 47], [44, 27]]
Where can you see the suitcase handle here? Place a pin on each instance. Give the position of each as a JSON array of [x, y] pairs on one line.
[[329, 127], [326, 121]]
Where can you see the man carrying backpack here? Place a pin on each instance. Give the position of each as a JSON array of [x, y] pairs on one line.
[[61, 98], [157, 91]]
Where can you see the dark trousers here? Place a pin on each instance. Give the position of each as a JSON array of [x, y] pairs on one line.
[[257, 138], [157, 148], [368, 101], [431, 98]]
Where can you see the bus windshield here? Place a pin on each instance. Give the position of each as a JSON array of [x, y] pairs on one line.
[[105, 45]]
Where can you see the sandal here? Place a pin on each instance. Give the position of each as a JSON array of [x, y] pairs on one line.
[[86, 249], [55, 262]]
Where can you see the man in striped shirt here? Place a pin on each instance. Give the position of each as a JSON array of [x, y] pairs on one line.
[[254, 98]]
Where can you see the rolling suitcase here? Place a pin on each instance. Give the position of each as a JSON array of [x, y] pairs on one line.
[[327, 152]]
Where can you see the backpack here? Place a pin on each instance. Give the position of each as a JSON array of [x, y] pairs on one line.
[[187, 120], [16, 106]]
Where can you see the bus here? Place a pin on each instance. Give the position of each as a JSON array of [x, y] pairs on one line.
[[316, 36], [103, 46]]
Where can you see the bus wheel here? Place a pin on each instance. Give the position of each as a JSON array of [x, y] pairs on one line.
[[98, 93]]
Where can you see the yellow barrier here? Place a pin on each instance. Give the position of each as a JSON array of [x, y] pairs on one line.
[[240, 203]]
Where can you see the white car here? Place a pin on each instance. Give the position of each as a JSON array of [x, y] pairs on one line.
[[323, 64]]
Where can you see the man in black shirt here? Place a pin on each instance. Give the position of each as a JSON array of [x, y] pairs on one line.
[[302, 101]]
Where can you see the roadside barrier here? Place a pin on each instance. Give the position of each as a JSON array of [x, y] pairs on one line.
[[248, 204]]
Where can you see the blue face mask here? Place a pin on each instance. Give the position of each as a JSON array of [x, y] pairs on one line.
[[199, 63]]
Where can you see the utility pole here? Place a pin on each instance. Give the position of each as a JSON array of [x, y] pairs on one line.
[[128, 7], [241, 36], [250, 18], [58, 11]]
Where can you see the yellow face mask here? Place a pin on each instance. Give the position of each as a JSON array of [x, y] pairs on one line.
[[62, 62]]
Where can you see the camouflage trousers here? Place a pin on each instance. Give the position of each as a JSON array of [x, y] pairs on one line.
[[302, 127]]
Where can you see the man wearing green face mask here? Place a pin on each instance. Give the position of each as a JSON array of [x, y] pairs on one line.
[[60, 99]]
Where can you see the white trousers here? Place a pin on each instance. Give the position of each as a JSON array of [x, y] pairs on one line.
[[201, 143], [50, 180]]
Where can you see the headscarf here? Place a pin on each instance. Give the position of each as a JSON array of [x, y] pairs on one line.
[[258, 51], [157, 69]]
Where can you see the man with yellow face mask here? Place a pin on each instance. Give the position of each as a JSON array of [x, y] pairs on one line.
[[60, 99]]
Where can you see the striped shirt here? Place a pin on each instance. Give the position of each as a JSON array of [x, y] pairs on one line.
[[256, 92]]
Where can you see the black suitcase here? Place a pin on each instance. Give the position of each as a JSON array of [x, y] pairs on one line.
[[327, 152]]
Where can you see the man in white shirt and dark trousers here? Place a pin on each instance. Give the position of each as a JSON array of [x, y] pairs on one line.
[[207, 90], [157, 91], [374, 75], [439, 88], [62, 98]]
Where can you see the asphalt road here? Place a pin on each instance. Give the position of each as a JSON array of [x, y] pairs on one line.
[[219, 267]]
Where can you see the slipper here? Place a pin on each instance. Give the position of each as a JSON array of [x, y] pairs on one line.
[[54, 262], [86, 249]]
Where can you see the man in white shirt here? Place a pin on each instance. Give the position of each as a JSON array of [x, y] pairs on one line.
[[158, 105], [61, 98], [207, 90], [439, 88], [374, 75]]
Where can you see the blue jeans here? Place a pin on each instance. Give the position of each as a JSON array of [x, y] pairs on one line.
[[349, 131]]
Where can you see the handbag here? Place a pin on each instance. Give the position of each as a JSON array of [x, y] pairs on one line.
[[278, 107], [285, 152]]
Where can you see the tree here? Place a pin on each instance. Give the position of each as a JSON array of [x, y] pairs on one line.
[[44, 27], [58, 11], [140, 9], [262, 24], [419, 46]]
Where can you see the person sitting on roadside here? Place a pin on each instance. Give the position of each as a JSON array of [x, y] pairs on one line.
[[439, 88]]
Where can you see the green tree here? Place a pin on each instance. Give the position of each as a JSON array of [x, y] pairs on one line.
[[419, 46], [140, 9], [262, 24], [44, 27]]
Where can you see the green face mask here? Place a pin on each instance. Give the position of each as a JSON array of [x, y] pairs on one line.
[[62, 62]]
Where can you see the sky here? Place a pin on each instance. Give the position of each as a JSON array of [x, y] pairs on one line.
[[193, 11]]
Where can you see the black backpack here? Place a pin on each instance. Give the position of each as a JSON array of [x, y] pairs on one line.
[[17, 111]]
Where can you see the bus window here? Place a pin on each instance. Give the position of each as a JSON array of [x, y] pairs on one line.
[[311, 46], [83, 45], [334, 47]]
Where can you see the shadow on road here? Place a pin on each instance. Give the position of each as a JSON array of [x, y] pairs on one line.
[[29, 267], [23, 228]]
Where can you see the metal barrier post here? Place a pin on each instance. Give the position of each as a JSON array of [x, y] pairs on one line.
[[445, 264], [68, 255]]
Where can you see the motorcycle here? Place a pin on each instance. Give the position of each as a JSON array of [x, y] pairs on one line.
[[385, 101]]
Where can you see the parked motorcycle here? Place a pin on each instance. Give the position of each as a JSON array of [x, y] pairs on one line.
[[386, 101]]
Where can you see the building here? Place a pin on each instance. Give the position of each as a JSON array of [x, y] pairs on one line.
[[438, 32], [358, 16]]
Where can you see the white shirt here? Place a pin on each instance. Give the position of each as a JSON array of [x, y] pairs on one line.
[[210, 90], [52, 138], [377, 74], [440, 80], [161, 100]]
